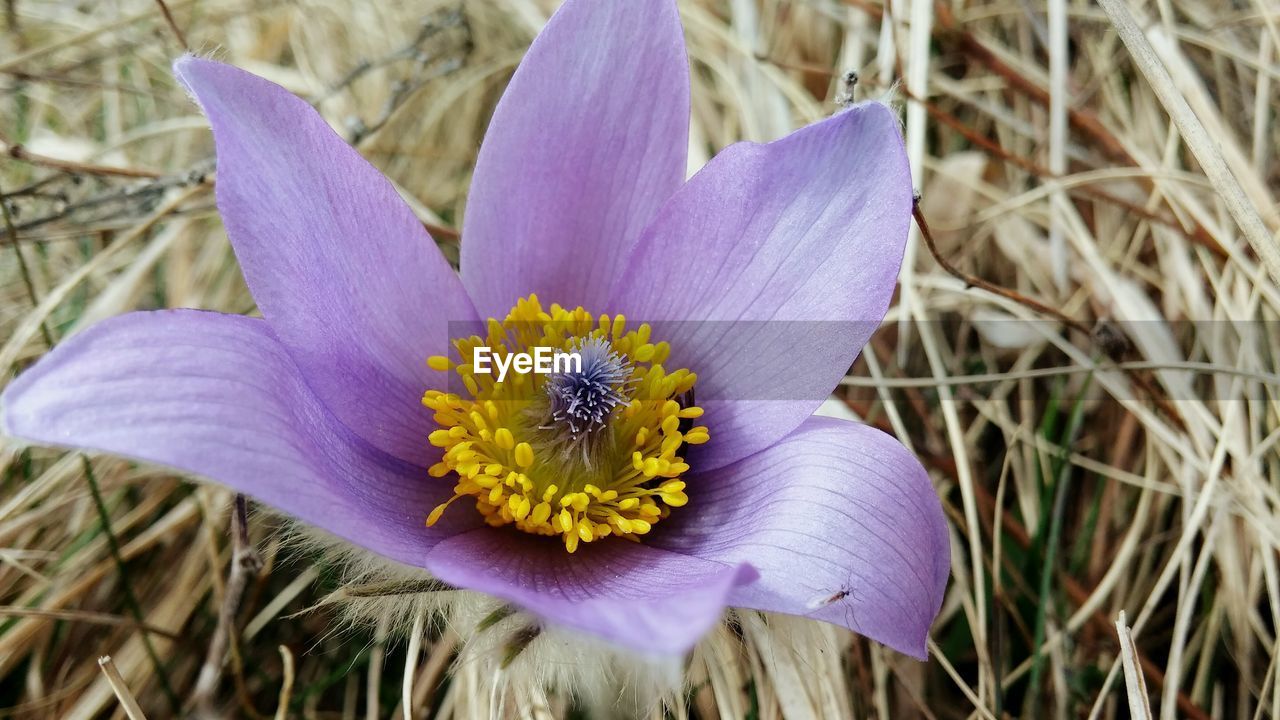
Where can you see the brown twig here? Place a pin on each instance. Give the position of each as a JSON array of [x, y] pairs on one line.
[[18, 152], [115, 202], [177, 31], [975, 281], [1111, 344], [1195, 233], [1083, 120], [244, 562]]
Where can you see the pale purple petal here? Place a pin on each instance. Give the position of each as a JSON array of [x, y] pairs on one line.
[[588, 140], [633, 595], [342, 270], [840, 520], [775, 264], [217, 395]]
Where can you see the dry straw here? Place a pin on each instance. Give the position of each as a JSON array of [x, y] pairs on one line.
[[1096, 179]]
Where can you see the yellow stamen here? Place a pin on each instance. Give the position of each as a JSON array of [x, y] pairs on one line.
[[504, 452], [524, 454]]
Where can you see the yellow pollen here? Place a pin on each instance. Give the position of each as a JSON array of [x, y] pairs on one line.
[[526, 466]]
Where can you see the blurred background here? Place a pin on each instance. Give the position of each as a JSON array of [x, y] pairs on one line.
[[1082, 351]]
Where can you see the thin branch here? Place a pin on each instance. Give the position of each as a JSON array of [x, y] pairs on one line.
[[244, 563], [975, 281], [18, 152], [1111, 343], [177, 31]]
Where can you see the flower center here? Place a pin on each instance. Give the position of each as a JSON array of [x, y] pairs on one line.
[[587, 450]]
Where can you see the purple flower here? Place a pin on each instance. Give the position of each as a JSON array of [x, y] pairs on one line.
[[671, 509]]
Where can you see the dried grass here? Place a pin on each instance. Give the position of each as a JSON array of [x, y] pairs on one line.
[[1130, 468]]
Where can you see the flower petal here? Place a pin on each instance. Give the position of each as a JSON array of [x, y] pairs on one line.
[[775, 263], [350, 281], [630, 594], [587, 142], [218, 396], [840, 520]]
